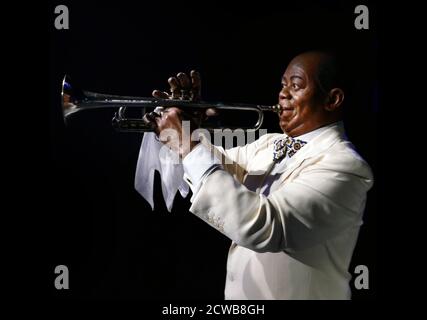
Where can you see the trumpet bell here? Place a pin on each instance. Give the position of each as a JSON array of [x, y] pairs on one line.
[[67, 98]]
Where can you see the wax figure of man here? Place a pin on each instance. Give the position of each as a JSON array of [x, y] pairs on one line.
[[294, 226]]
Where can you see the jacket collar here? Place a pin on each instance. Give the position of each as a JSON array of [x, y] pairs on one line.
[[319, 144]]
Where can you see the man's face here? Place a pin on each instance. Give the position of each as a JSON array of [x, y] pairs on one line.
[[300, 97]]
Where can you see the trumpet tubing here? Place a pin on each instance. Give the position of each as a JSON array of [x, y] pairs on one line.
[[75, 100]]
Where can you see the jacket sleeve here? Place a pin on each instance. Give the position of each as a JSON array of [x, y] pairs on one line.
[[235, 160], [321, 201]]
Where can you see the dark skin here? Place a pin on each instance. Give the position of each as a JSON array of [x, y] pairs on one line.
[[190, 85], [181, 86], [305, 105]]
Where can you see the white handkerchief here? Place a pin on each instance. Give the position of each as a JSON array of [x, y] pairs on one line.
[[154, 155]]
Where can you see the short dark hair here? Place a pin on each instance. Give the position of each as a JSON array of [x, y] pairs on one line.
[[332, 72]]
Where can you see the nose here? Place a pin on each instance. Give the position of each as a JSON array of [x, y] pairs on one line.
[[284, 94]]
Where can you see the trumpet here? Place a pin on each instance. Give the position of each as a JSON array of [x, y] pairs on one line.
[[75, 100]]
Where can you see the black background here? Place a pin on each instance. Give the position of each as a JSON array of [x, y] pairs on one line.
[[100, 227]]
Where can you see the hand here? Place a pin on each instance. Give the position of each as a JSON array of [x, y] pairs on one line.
[[182, 87], [167, 124]]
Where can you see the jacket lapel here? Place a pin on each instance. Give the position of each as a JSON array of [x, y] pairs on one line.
[[319, 144]]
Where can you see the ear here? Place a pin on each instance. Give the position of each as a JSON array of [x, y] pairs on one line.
[[335, 99]]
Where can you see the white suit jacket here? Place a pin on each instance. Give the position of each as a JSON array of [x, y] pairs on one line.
[[297, 242]]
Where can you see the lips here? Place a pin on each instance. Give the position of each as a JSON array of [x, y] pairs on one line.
[[286, 110], [286, 107]]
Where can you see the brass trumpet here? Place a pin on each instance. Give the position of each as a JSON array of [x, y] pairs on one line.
[[75, 100]]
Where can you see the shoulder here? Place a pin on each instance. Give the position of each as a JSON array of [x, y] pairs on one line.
[[343, 157]]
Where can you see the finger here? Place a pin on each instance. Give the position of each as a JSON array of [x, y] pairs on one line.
[[195, 78], [196, 84], [185, 84], [150, 119], [160, 94], [174, 87], [184, 81], [174, 112], [211, 112], [159, 111], [170, 118]]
